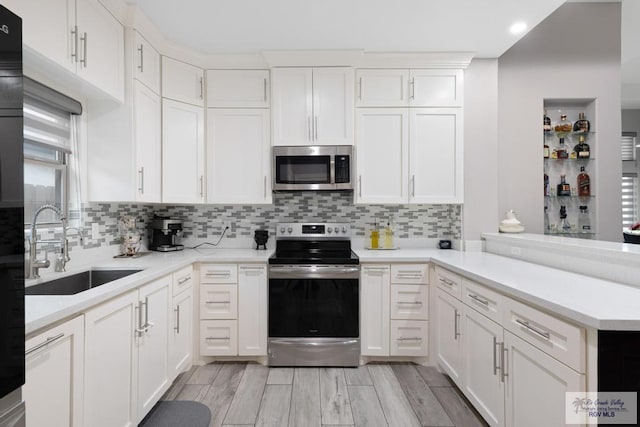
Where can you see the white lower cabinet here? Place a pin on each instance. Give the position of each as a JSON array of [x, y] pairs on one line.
[[394, 310], [536, 385], [126, 355], [181, 328], [252, 310], [54, 373], [449, 335]]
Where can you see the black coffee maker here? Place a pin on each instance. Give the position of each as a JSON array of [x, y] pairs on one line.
[[165, 234], [261, 237]]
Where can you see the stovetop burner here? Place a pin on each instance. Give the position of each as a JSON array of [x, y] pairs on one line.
[[313, 243]]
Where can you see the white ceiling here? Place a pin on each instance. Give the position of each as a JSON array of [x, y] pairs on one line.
[[252, 26]]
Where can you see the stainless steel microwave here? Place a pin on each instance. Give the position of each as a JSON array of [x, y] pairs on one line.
[[326, 167]]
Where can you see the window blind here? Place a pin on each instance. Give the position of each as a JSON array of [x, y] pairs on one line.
[[629, 200], [628, 146]]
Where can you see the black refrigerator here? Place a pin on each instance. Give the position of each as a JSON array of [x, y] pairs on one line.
[[12, 323]]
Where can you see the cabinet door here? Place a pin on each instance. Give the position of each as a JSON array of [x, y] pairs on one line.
[[146, 63], [382, 145], [100, 48], [535, 380], [252, 310], [218, 337], [374, 317], [292, 106], [147, 111], [238, 88], [182, 82], [333, 106], [182, 153], [238, 157], [435, 149], [111, 367], [436, 88], [54, 376], [449, 335], [382, 88], [153, 346], [181, 334], [483, 380], [48, 28]]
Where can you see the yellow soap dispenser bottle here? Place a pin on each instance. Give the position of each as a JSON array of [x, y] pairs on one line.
[[388, 237], [375, 236]]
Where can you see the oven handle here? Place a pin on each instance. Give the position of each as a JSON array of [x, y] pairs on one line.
[[314, 271], [311, 343]]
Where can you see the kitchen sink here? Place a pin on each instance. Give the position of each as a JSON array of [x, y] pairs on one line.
[[76, 283]]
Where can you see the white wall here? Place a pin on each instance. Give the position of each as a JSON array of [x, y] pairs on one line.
[[480, 210], [574, 53]]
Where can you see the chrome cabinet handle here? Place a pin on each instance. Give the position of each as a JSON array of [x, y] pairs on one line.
[[177, 327], [265, 89], [141, 173], [184, 280], [359, 185], [360, 88], [201, 88], [413, 88], [84, 49], [495, 356], [446, 282], [141, 66], [476, 298], [456, 316], [146, 314], [413, 186], [141, 328], [201, 186], [503, 352], [309, 126], [409, 339], [402, 89], [264, 185], [74, 33], [544, 334], [48, 341], [251, 267], [410, 302], [217, 302], [218, 274], [315, 128], [218, 338]]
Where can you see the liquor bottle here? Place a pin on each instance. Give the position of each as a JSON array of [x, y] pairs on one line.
[[582, 124], [584, 223], [582, 149], [584, 183], [545, 150], [388, 237], [564, 189], [547, 226], [547, 187], [562, 151], [564, 126], [546, 122], [564, 224]]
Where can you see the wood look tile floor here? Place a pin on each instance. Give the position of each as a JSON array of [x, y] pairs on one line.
[[241, 394]]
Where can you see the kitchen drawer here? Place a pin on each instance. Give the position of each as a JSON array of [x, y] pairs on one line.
[[449, 282], [408, 338], [182, 280], [218, 302], [558, 338], [482, 299], [409, 302], [218, 337], [218, 273], [410, 273]]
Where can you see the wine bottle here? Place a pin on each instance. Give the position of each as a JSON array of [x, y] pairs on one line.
[[584, 183]]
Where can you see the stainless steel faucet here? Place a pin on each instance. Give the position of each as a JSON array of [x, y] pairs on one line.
[[63, 257]]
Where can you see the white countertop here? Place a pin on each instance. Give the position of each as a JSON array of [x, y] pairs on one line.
[[591, 302]]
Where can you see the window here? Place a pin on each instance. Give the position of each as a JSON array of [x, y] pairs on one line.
[[629, 180], [49, 139]]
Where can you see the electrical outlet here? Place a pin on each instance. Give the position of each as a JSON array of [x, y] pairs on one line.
[[95, 231], [516, 251]]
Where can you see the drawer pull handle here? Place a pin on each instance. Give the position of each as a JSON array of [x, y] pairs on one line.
[[409, 339], [185, 280], [217, 302], [215, 273], [477, 299], [446, 282], [218, 338], [247, 267], [503, 352], [410, 275], [48, 341], [456, 323], [525, 324], [410, 302], [496, 368]]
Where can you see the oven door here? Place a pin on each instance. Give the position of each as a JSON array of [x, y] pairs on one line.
[[307, 301]]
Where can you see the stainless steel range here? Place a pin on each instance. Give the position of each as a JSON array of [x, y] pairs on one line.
[[314, 281]]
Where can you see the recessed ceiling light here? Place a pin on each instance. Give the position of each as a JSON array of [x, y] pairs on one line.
[[518, 28]]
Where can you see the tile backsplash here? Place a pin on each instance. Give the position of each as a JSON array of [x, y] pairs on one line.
[[206, 222]]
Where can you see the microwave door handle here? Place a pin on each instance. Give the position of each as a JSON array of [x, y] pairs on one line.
[[332, 169]]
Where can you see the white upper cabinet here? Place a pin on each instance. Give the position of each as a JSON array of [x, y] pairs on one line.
[[435, 163], [409, 88], [238, 156], [148, 143], [146, 62], [238, 88], [382, 88], [313, 106], [382, 144], [182, 82], [79, 35], [183, 161]]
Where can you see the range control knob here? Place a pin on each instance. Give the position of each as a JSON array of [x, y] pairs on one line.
[[281, 229], [344, 229], [336, 229], [328, 229], [290, 230]]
